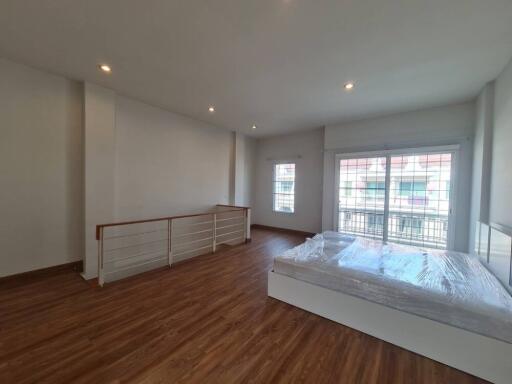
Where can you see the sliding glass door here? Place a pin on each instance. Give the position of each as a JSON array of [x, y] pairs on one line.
[[400, 197], [419, 200], [362, 190]]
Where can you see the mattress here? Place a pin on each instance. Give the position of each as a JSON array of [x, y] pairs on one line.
[[450, 287]]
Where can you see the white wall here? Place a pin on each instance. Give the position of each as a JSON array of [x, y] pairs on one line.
[[436, 126], [308, 180], [167, 164], [99, 161], [40, 169], [245, 163], [482, 156], [501, 176], [249, 172]]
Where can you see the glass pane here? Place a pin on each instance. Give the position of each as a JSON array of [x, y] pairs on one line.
[[362, 191], [419, 199], [284, 188]]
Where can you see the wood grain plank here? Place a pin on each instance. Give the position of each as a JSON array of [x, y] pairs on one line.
[[204, 320]]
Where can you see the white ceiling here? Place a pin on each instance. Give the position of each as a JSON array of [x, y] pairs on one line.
[[280, 64]]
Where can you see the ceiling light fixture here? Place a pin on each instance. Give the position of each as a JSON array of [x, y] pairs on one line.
[[105, 68], [254, 127], [349, 86], [211, 109]]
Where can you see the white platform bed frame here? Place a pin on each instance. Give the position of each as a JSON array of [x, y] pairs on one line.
[[481, 356]]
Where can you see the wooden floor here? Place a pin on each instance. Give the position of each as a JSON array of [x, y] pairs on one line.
[[208, 320]]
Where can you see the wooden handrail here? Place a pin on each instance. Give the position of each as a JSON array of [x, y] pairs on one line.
[[100, 226], [233, 206]]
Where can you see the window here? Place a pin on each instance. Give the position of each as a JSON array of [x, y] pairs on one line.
[[414, 210], [375, 223], [361, 196], [413, 189], [411, 226], [375, 189], [284, 188], [346, 190]]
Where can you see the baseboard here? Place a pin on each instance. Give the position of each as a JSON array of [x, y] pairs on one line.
[[76, 266], [278, 229]]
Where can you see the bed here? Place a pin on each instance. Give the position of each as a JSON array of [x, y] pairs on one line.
[[445, 305]]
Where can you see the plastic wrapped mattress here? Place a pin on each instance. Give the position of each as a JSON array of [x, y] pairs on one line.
[[449, 287]]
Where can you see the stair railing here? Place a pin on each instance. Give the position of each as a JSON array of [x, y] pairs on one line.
[[132, 247]]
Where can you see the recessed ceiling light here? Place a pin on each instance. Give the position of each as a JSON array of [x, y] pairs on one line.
[[105, 68], [349, 86], [211, 109], [254, 127]]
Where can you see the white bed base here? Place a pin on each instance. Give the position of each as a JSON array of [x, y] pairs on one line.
[[478, 355]]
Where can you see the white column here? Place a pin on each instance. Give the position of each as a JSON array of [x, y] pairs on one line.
[[99, 160]]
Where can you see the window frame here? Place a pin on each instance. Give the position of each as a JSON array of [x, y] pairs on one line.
[[388, 153], [274, 193]]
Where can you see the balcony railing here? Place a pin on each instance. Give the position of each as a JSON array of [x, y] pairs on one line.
[[429, 230], [132, 247]]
